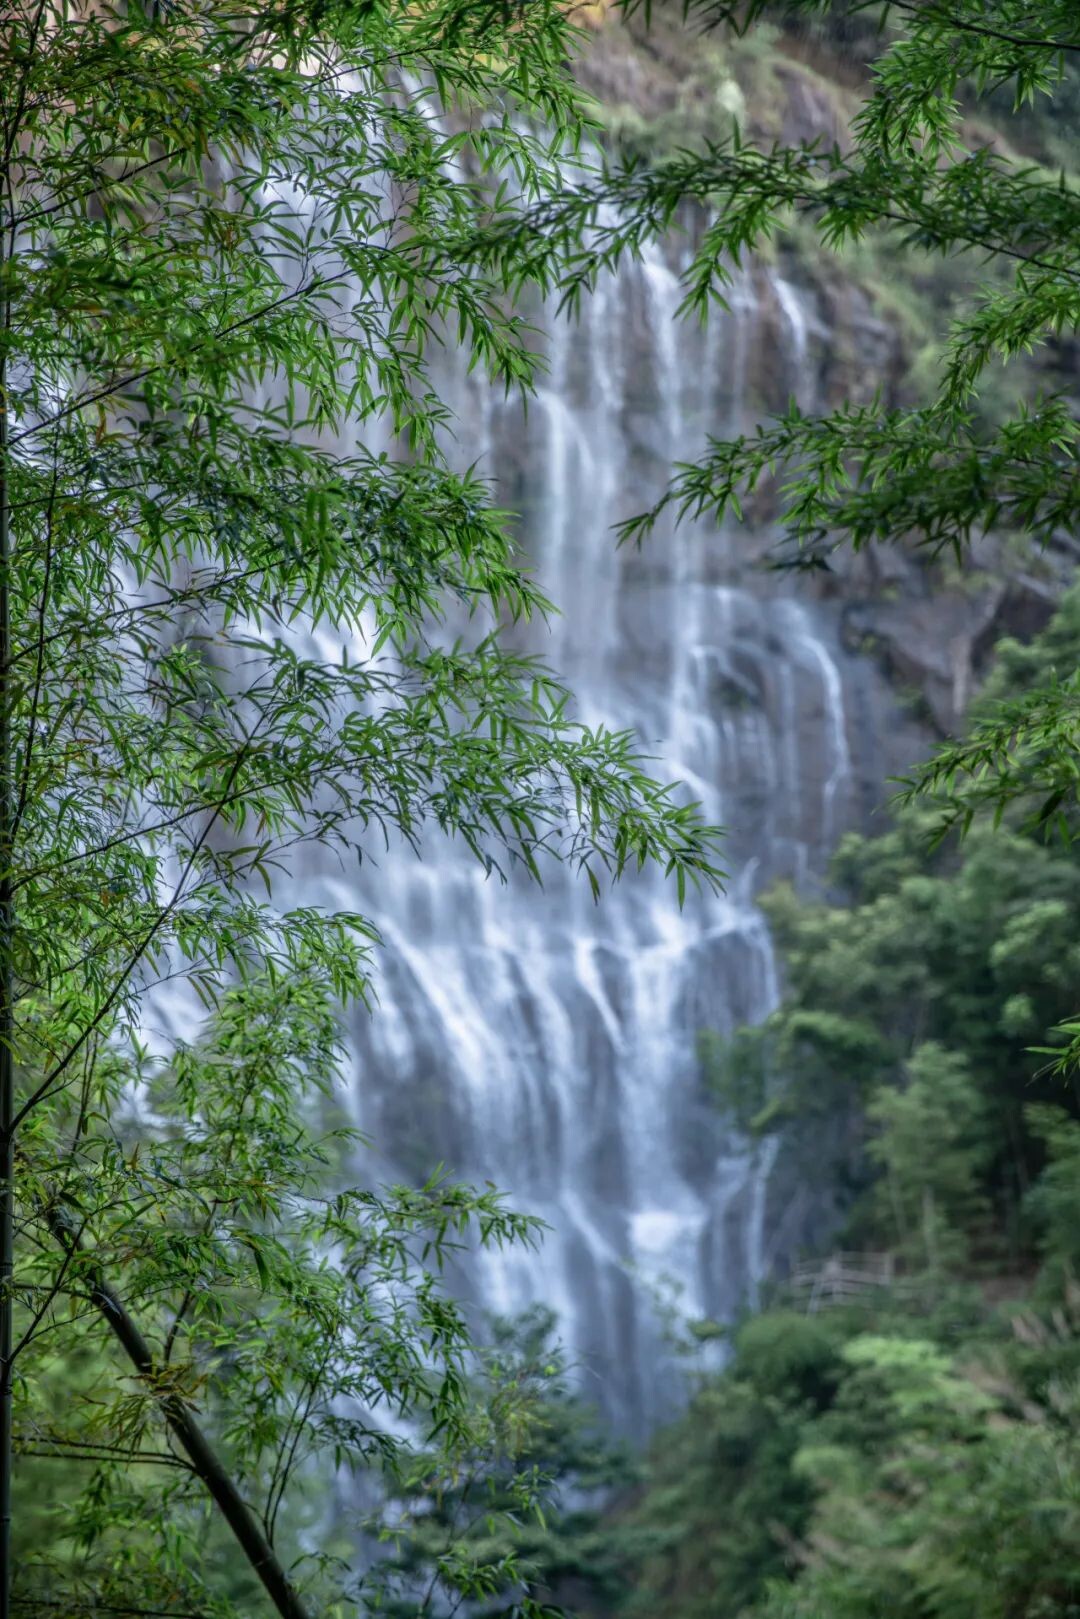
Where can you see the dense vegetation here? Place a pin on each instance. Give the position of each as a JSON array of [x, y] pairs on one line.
[[232, 624], [915, 1452]]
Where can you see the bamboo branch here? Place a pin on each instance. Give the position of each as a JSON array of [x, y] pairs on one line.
[[7, 975], [177, 1414], [34, 1603]]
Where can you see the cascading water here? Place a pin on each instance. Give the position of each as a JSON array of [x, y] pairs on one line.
[[530, 1038], [548, 1045]]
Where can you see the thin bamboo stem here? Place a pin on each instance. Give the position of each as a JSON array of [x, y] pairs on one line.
[[7, 985]]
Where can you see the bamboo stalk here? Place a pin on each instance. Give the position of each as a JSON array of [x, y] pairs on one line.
[[201, 1454], [7, 1007]]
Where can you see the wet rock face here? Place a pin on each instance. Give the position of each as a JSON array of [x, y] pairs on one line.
[[927, 643]]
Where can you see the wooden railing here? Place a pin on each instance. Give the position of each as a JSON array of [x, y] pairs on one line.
[[842, 1277]]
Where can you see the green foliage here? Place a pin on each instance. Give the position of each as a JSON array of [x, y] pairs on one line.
[[931, 1192], [869, 1467], [796, 1355], [913, 1453], [523, 1506], [231, 239], [976, 954], [299, 1316], [723, 1504], [933, 1498], [1055, 1198]]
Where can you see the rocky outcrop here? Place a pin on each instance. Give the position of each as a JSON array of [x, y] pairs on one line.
[[933, 638], [926, 629]]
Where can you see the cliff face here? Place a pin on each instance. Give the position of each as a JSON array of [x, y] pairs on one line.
[[868, 323]]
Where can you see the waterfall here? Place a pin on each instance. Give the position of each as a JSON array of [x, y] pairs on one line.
[[528, 1037], [549, 1045]]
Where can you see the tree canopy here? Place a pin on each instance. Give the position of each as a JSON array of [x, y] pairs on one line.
[[245, 604], [910, 1449]]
